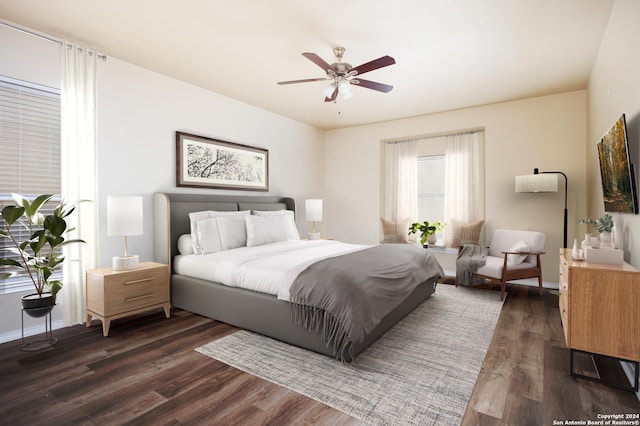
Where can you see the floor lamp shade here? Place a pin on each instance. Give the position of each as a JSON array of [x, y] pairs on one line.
[[537, 183], [124, 219], [545, 182], [313, 213]]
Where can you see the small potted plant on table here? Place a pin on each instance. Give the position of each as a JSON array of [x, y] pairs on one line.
[[604, 225], [427, 230]]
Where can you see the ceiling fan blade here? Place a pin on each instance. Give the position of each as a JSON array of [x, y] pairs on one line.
[[384, 61], [306, 80], [372, 85], [333, 97], [318, 61]]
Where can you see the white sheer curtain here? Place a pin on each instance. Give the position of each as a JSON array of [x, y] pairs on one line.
[[400, 181], [464, 183], [79, 173]]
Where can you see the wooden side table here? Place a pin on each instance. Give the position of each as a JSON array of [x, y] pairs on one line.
[[116, 294]]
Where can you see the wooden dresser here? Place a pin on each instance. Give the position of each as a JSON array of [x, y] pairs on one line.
[[116, 294], [600, 309]]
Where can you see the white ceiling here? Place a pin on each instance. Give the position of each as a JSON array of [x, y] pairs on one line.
[[450, 54]]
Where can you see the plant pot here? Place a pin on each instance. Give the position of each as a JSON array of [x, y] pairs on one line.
[[432, 239], [605, 240], [36, 305]]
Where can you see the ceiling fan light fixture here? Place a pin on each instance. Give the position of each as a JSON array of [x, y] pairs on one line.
[[328, 91], [341, 75], [344, 87]]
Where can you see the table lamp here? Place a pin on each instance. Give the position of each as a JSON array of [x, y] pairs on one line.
[[124, 218], [313, 214]]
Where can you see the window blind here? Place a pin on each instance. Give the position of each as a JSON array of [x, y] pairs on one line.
[[431, 177], [30, 146]]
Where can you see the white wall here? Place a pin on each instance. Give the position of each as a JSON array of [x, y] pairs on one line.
[[614, 89], [546, 132], [139, 112]]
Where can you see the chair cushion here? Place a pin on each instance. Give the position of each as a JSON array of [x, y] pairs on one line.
[[493, 267], [503, 239]]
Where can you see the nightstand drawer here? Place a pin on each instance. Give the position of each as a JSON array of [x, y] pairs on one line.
[[131, 291]]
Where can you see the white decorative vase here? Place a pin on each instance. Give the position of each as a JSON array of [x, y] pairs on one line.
[[605, 240], [432, 239], [576, 253], [616, 235], [586, 243]]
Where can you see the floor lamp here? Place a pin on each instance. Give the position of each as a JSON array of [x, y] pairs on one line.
[[542, 182]]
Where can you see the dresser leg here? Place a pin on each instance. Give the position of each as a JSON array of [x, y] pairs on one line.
[[632, 387], [106, 323]]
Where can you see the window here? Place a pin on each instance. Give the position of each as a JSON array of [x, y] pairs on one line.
[[30, 146], [430, 185]]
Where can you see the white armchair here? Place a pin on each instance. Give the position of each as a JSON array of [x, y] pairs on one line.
[[513, 255]]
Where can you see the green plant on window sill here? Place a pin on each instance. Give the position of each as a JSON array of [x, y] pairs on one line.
[[40, 254], [604, 224], [426, 229]]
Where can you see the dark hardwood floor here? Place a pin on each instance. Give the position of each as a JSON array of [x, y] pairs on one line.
[[147, 372]]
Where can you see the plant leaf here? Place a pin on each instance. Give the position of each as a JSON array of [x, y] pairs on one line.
[[39, 202], [56, 225], [12, 213], [54, 287], [10, 262]]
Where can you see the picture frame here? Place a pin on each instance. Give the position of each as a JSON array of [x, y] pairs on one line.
[[203, 162], [616, 171]]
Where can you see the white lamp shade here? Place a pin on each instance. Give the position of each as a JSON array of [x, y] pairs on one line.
[[328, 92], [313, 210], [542, 182], [124, 216]]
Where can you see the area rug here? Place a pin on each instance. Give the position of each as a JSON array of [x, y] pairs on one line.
[[420, 372]]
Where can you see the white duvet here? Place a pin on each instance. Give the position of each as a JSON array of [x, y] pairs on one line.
[[269, 268]]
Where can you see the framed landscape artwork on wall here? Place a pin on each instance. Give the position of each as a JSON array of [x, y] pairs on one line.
[[616, 170], [203, 162]]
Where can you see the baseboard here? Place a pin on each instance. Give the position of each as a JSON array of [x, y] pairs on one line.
[[29, 331], [531, 282]]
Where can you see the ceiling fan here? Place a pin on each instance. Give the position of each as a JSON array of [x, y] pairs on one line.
[[343, 75]]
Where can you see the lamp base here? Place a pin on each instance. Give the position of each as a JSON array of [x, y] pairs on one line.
[[313, 235], [125, 263]]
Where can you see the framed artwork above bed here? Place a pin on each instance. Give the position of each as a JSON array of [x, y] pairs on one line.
[[203, 162]]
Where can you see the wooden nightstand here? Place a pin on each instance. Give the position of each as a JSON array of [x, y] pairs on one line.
[[116, 294]]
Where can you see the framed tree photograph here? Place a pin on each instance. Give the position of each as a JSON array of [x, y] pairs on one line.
[[203, 162]]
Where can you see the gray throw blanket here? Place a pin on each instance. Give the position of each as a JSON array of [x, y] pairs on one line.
[[470, 258], [344, 297]]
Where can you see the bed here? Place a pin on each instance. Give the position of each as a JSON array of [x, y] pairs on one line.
[[256, 311]]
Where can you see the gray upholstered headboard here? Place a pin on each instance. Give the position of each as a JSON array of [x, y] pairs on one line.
[[171, 215]]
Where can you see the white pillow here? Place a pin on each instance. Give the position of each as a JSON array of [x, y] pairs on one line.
[[185, 244], [266, 229], [208, 235], [514, 259], [233, 231], [194, 217], [292, 229]]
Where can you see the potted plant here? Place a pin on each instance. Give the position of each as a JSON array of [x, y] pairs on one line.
[[427, 230], [39, 255], [604, 225]]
